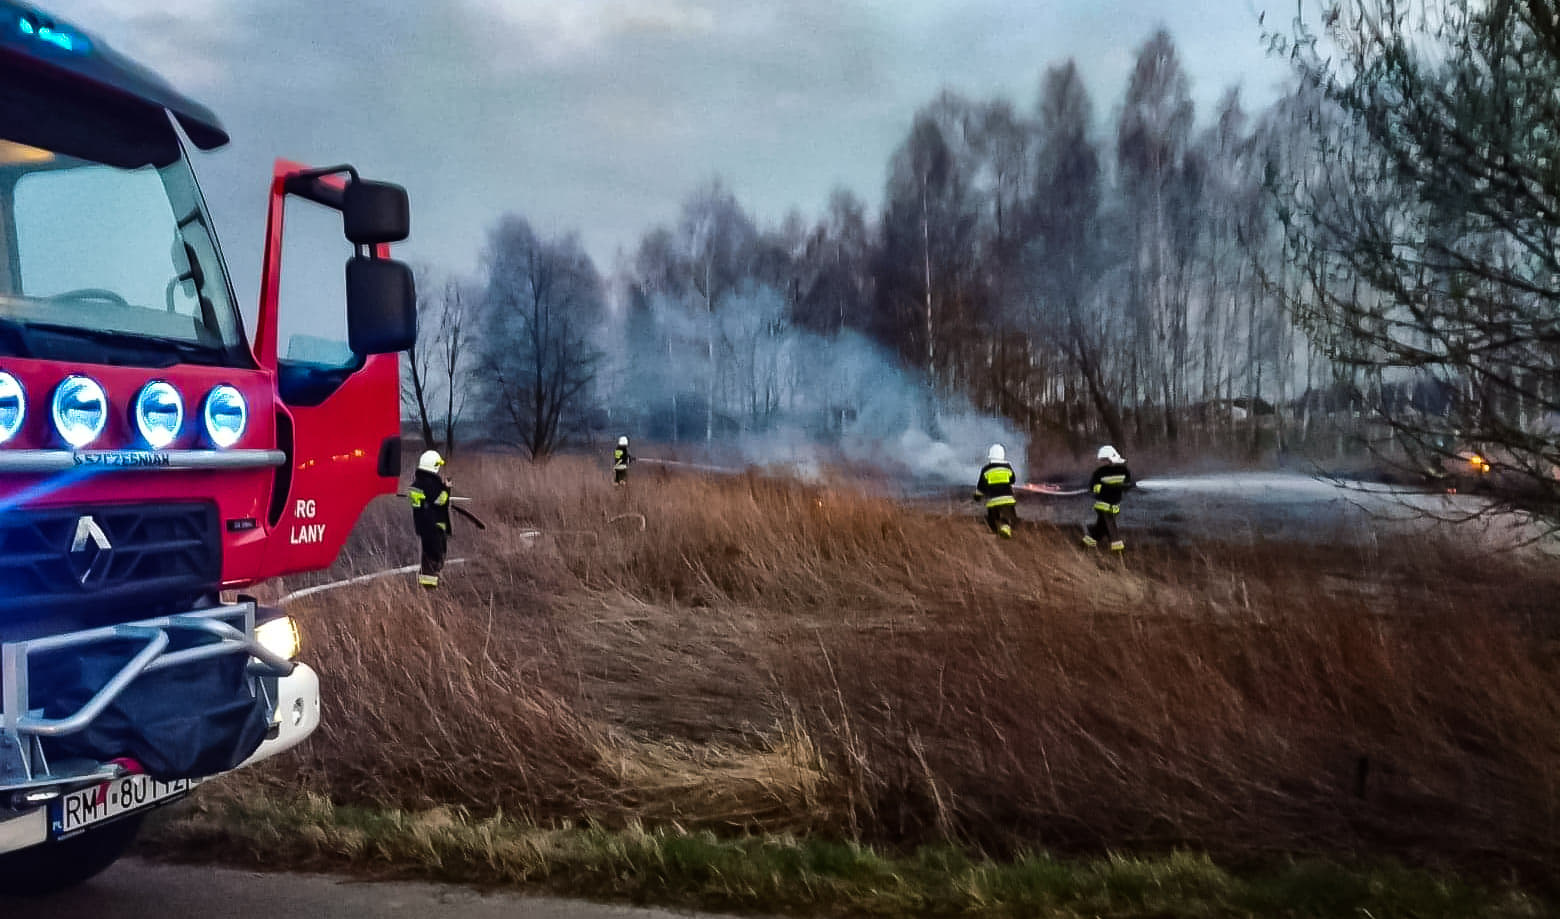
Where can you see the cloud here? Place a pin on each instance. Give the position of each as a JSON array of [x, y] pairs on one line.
[[555, 32], [599, 115]]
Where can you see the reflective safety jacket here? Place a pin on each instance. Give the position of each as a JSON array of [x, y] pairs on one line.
[[1109, 482], [430, 503], [996, 485], [621, 458]]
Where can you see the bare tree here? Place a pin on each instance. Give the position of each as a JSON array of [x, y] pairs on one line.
[[543, 297], [438, 368], [417, 371], [931, 293], [454, 313], [1067, 254], [1429, 231], [1152, 146], [1235, 256], [717, 244]]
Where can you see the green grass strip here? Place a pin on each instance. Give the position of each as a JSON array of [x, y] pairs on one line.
[[795, 876]]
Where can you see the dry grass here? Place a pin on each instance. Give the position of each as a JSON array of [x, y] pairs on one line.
[[761, 655]]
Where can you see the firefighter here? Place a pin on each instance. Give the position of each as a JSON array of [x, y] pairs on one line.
[[620, 460], [1111, 480], [430, 494], [995, 485]]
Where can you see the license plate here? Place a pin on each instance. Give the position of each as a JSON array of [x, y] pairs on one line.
[[82, 809]]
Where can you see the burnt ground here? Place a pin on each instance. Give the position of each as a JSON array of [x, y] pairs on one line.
[[1248, 507]]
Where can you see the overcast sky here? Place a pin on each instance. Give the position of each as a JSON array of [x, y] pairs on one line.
[[600, 115]]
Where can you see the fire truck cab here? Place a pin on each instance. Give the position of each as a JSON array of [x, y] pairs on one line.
[[155, 458]]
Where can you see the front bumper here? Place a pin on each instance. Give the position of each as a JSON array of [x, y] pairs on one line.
[[24, 830], [29, 780], [296, 715]]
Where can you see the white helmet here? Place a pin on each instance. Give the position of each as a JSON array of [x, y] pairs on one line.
[[1108, 454], [996, 454], [430, 461], [623, 441]]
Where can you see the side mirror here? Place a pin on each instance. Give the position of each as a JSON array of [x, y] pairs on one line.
[[375, 212], [381, 306]]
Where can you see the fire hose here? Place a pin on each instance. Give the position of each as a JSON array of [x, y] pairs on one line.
[[360, 579], [1050, 491], [701, 467], [455, 505]]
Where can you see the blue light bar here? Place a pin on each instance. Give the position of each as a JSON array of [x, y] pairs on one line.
[[59, 38]]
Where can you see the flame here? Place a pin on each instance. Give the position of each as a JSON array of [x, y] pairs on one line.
[[12, 153]]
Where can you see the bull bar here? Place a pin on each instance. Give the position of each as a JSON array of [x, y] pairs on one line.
[[25, 771]]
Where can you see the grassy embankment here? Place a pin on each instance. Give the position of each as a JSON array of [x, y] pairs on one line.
[[784, 697]]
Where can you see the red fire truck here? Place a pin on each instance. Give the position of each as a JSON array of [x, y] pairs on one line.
[[155, 459]]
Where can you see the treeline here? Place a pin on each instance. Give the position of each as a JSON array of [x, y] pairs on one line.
[[1368, 262], [1083, 287]]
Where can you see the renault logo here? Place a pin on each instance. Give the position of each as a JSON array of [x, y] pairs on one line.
[[90, 551]]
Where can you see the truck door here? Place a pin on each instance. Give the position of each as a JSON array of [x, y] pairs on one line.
[[338, 411]]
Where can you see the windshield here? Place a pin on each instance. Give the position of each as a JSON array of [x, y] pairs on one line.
[[117, 259]]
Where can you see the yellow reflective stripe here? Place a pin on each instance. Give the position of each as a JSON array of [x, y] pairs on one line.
[[1114, 480], [427, 580], [417, 496], [1096, 489], [1107, 508], [1090, 541], [444, 526], [443, 499], [999, 476], [1001, 501]]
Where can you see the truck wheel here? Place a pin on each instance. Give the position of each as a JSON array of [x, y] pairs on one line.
[[57, 865]]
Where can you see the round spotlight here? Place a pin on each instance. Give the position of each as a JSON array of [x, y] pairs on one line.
[[13, 406], [80, 410], [159, 413], [226, 416]]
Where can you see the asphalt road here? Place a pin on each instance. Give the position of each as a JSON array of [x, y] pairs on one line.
[[134, 889]]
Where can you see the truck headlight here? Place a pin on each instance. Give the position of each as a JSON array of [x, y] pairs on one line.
[[280, 636], [226, 415], [159, 413], [80, 410], [13, 406]]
